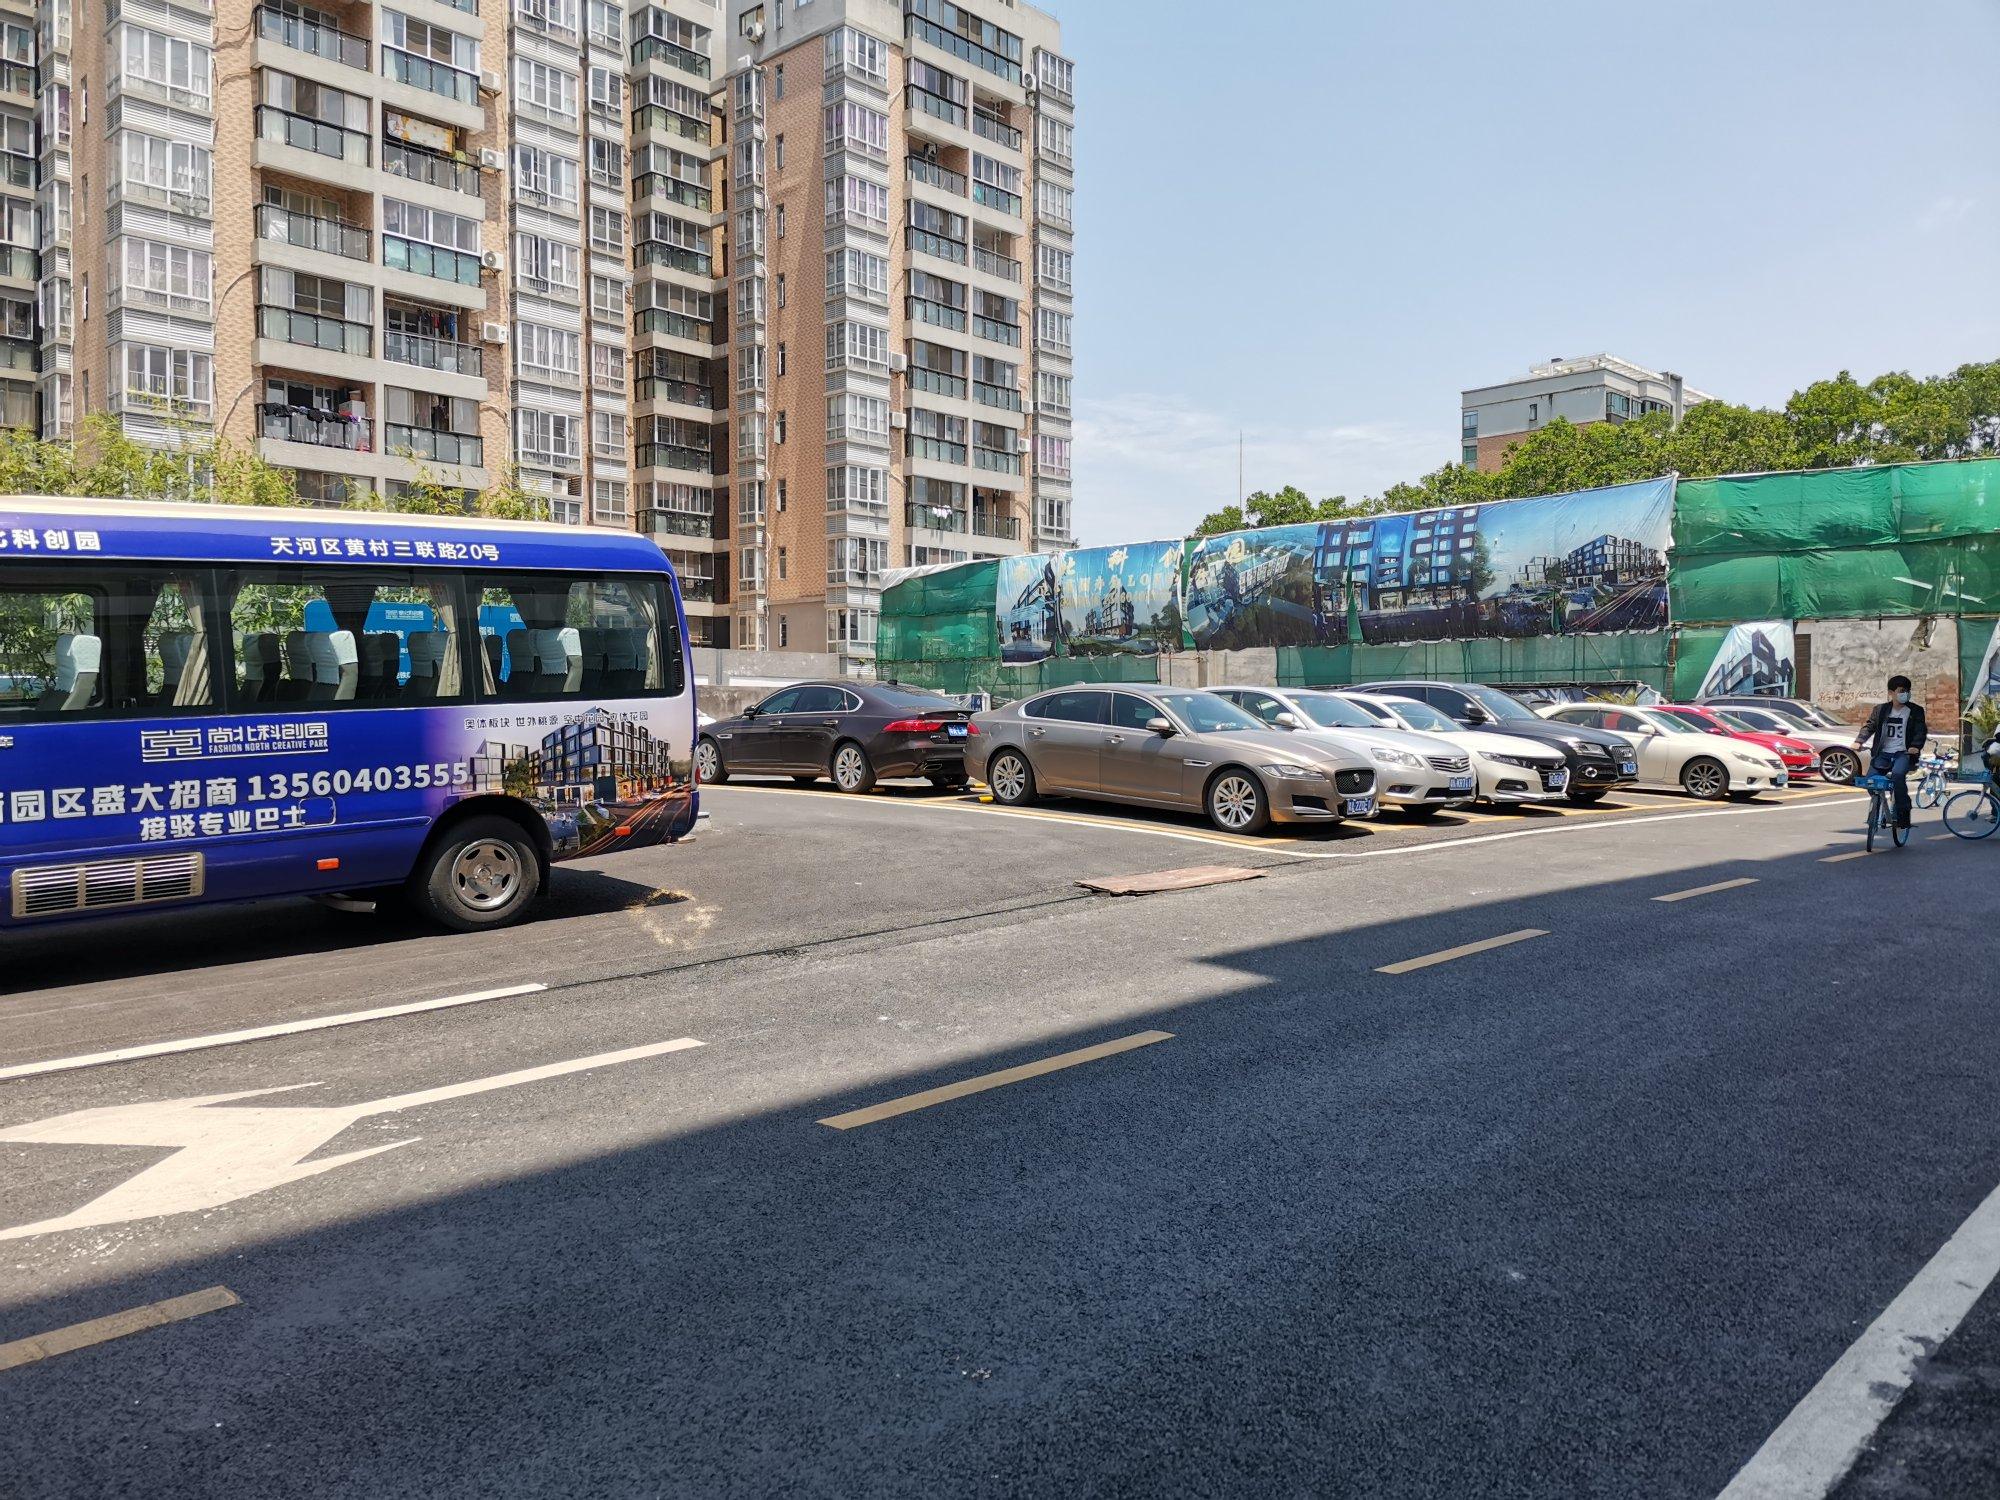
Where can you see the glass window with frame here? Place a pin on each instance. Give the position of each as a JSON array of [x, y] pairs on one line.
[[102, 640], [559, 637], [343, 637]]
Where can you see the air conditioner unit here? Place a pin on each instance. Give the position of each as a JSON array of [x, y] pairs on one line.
[[754, 31], [1022, 445], [899, 420], [1030, 84], [490, 159], [490, 81], [1028, 408], [493, 260], [899, 362], [493, 333]]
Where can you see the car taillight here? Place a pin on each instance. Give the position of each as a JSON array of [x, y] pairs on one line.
[[913, 726], [971, 728]]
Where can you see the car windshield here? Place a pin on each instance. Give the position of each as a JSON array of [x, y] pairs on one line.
[[1508, 710], [1423, 716], [1205, 713], [1330, 712]]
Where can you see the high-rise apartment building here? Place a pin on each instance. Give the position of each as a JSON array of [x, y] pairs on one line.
[[899, 255], [1591, 388]]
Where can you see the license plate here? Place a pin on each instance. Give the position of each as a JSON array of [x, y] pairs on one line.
[[1557, 780], [1461, 783], [1628, 768], [954, 731], [1779, 780], [1360, 807]]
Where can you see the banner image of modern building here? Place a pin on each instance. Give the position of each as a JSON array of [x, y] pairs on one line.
[[1757, 657], [1095, 601]]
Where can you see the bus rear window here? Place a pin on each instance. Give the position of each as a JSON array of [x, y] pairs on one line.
[[109, 640], [556, 636]]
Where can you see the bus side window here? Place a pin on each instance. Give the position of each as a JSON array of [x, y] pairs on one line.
[[123, 640], [559, 636], [341, 637]]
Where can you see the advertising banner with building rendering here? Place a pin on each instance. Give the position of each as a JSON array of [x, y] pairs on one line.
[[1755, 657], [1583, 563], [1096, 601]]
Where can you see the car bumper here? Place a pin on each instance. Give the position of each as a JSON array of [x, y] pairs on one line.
[[1601, 773], [1397, 787], [1317, 800], [920, 760], [1526, 783]]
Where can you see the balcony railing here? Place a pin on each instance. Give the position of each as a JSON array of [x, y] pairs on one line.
[[1002, 396], [308, 134], [699, 590], [984, 523], [997, 131], [668, 456], [934, 517], [958, 46], [937, 450], [927, 243], [431, 76], [439, 447], [677, 325], [998, 199], [420, 259], [937, 382], [665, 388], [1005, 267], [315, 37], [937, 314], [939, 177], [935, 105], [314, 331], [421, 164], [997, 331], [314, 426], [994, 461], [310, 232], [431, 353], [659, 253], [659, 117], [674, 55], [659, 185], [677, 523]]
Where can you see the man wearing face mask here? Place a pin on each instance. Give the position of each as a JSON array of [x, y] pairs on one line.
[[1897, 730]]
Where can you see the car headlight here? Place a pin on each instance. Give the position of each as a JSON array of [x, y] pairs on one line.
[[1286, 771], [1390, 757]]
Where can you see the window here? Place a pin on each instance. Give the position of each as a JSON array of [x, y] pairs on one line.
[[778, 428], [548, 15], [1469, 455], [857, 52], [549, 439], [1055, 203], [433, 427], [607, 436], [851, 126], [548, 636], [1052, 330], [544, 265], [782, 361], [1080, 707], [1054, 267], [778, 152], [851, 627], [543, 90], [607, 298], [784, 563], [1468, 424], [89, 640], [430, 242], [778, 221], [607, 23], [1052, 393], [778, 81], [857, 346], [167, 377], [781, 289], [333, 637], [429, 57], [607, 94], [852, 418], [856, 561], [1057, 74], [853, 487], [857, 274], [545, 178], [1131, 712], [170, 276], [607, 232], [1052, 456], [1534, 411], [1053, 140], [858, 201], [551, 355], [163, 170], [176, 69], [781, 496]]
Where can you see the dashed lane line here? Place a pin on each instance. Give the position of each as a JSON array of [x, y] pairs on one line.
[[1834, 859], [117, 1326], [1463, 950], [259, 1033], [889, 1109], [1707, 890]]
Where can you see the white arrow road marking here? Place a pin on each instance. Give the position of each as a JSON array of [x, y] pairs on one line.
[[222, 1155]]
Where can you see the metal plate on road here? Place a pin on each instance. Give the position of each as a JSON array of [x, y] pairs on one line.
[[1170, 880]]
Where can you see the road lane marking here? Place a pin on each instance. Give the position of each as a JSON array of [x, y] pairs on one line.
[[1834, 859], [889, 1109], [222, 1155], [1708, 890], [1464, 950], [1937, 838], [1816, 1445], [116, 1326], [259, 1033]]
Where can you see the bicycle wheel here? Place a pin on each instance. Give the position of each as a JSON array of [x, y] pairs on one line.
[[1973, 813], [1930, 792], [1874, 818], [1899, 833]]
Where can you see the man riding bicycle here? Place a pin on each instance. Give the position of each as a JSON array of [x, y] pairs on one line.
[[1897, 731]]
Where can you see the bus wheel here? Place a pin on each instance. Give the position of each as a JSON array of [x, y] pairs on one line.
[[483, 873]]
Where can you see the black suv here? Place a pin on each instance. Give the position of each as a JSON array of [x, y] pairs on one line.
[[1598, 760]]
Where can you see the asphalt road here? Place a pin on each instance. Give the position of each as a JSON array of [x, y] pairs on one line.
[[1585, 1213]]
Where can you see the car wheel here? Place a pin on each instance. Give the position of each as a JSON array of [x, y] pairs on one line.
[[1583, 796], [1236, 803], [852, 770], [484, 873], [1418, 812], [1705, 777], [708, 766], [1839, 766], [1010, 778]]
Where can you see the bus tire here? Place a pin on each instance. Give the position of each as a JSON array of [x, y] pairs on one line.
[[482, 873]]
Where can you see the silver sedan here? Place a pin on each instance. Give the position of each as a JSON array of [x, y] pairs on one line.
[[1163, 747]]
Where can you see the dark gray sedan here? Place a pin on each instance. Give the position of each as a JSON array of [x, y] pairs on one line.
[[855, 732], [1162, 747]]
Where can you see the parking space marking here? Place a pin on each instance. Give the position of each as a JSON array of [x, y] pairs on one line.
[[1464, 950], [259, 1033], [889, 1109], [1708, 890], [116, 1326], [1816, 1445], [1834, 859]]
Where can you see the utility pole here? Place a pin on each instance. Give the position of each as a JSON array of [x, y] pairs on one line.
[[1239, 467]]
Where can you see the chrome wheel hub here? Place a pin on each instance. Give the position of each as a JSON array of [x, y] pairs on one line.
[[1235, 802], [1009, 781], [486, 874], [847, 767]]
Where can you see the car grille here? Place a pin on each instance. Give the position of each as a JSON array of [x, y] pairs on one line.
[[1451, 765], [1354, 783], [47, 890]]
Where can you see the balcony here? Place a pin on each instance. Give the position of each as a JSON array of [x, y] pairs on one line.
[[313, 37], [314, 426], [659, 117], [934, 517], [985, 523], [937, 314], [996, 198], [678, 523], [941, 178], [314, 331], [673, 324], [419, 259], [925, 243], [434, 168], [659, 253], [308, 134], [937, 383], [671, 53], [960, 47], [309, 232], [668, 456], [681, 392], [433, 77], [937, 450], [1003, 396], [696, 589], [435, 446], [997, 131], [923, 101], [659, 185], [997, 331], [993, 264], [996, 462], [431, 353]]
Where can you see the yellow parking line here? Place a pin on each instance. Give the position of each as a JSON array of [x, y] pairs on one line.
[[1462, 951], [889, 1109], [1708, 890], [116, 1326]]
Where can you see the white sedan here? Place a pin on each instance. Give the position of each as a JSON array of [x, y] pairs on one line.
[[1419, 775], [1509, 767], [1672, 754]]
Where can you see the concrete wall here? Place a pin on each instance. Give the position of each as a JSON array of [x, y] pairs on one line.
[[1853, 660], [727, 682]]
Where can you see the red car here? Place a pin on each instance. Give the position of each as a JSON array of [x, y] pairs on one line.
[[1800, 758]]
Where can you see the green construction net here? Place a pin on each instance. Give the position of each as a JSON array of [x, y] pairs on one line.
[[1899, 539], [1552, 659]]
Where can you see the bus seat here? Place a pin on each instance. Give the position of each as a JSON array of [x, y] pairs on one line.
[[521, 668], [77, 660], [623, 672], [571, 642], [336, 665], [381, 655], [426, 652], [298, 679], [262, 648], [558, 656], [595, 648], [174, 648]]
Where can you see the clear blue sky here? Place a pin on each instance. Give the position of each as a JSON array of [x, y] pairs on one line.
[[1317, 222]]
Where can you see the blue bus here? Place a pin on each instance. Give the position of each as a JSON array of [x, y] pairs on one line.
[[215, 703]]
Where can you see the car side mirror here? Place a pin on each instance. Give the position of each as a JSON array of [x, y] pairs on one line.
[[1644, 731], [1160, 724], [1286, 720], [1476, 716], [750, 713]]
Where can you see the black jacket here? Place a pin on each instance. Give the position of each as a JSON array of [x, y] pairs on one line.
[[1919, 731]]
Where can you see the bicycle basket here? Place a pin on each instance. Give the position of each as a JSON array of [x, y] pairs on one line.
[[1874, 783]]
